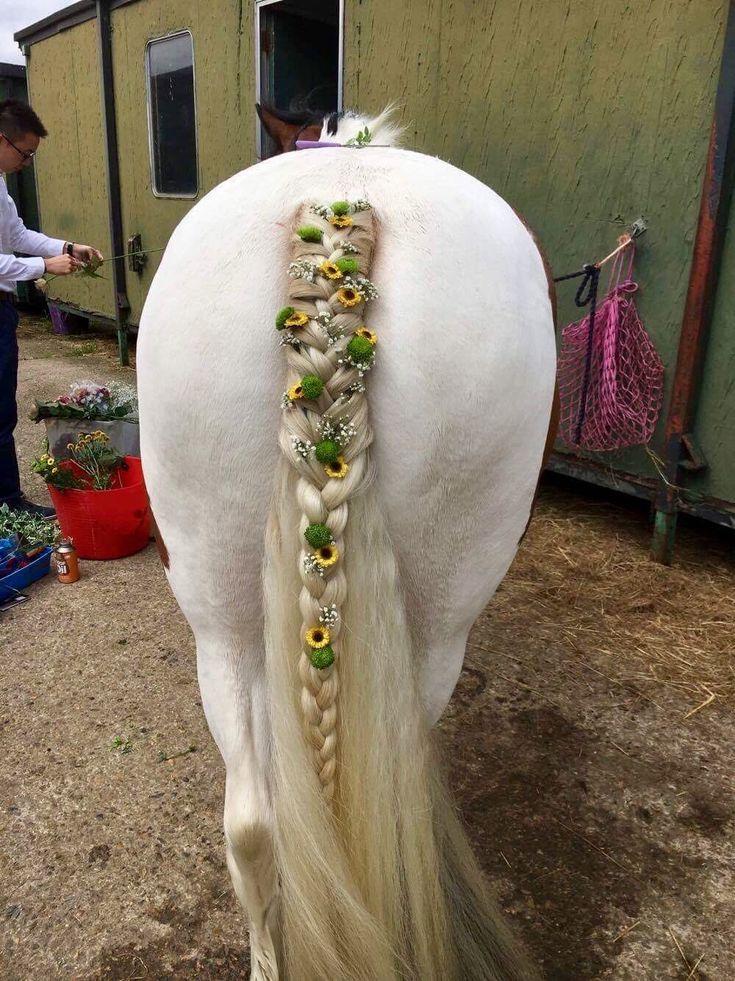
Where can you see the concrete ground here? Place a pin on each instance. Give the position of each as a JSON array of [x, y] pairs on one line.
[[594, 773]]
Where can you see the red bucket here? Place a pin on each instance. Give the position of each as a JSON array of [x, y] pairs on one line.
[[106, 524]]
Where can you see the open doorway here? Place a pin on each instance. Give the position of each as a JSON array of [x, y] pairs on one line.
[[299, 58]]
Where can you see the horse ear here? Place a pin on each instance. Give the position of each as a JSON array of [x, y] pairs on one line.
[[282, 131]]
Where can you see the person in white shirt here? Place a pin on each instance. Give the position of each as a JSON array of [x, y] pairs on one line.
[[21, 131]]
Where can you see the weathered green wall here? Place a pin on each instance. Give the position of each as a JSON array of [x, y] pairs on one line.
[[70, 165], [582, 115]]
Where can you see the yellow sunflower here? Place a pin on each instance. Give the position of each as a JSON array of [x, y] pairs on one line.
[[331, 270], [297, 319], [317, 637], [369, 335], [338, 469], [326, 556], [340, 221], [296, 392], [349, 297]]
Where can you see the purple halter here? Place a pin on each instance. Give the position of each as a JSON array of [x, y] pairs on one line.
[[313, 144]]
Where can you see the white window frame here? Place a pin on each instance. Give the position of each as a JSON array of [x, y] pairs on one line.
[[151, 41], [259, 4]]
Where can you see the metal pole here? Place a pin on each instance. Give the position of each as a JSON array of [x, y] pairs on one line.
[[706, 255], [122, 305]]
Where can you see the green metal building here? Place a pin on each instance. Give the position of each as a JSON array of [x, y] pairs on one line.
[[583, 115]]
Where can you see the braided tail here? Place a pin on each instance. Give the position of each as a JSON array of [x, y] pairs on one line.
[[325, 435], [377, 881]]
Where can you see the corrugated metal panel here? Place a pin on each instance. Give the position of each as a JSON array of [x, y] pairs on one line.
[[70, 165]]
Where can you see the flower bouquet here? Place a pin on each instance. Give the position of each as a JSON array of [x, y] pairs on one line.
[[114, 407], [99, 496]]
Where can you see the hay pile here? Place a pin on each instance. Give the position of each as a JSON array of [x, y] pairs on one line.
[[584, 580]]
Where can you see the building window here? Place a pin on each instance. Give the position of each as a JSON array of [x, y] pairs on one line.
[[172, 116], [299, 58]]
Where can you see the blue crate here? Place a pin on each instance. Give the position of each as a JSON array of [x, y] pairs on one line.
[[21, 578]]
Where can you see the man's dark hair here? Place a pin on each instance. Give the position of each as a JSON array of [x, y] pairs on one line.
[[17, 118]]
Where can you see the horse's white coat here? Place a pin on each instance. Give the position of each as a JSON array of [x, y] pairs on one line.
[[459, 403]]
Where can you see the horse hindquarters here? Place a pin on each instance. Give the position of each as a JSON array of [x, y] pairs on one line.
[[379, 885]]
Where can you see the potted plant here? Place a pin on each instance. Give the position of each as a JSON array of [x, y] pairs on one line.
[[99, 495], [113, 407]]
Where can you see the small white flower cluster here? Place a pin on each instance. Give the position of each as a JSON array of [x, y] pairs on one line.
[[338, 430], [360, 205], [363, 286], [311, 565], [327, 324], [322, 210], [302, 446], [354, 388], [329, 615], [362, 367], [288, 337], [286, 401], [303, 269], [349, 249]]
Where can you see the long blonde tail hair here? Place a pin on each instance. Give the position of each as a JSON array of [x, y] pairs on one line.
[[377, 880]]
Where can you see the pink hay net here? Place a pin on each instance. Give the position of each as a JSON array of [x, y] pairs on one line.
[[615, 402]]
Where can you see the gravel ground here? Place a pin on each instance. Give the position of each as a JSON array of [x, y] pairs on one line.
[[601, 813]]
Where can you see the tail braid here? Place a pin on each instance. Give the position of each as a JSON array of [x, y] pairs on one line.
[[321, 420]]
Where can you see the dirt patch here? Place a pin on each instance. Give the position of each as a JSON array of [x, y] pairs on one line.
[[602, 814]]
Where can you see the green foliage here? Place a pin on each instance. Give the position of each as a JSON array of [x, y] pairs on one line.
[[363, 138], [31, 529], [282, 316], [341, 208], [312, 386], [327, 451], [322, 657], [360, 349], [347, 266], [318, 536], [310, 233], [124, 745]]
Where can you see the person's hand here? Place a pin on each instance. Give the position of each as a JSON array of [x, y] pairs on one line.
[[61, 265], [85, 253]]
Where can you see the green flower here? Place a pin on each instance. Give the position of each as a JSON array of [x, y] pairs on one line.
[[341, 208], [327, 450], [318, 536], [347, 266], [321, 658], [312, 386], [282, 316], [360, 349], [310, 233]]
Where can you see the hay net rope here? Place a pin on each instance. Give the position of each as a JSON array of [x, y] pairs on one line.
[[610, 376]]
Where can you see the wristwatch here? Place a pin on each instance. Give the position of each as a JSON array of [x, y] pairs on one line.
[[69, 248]]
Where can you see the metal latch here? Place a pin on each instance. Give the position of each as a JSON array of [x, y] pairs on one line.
[[136, 257]]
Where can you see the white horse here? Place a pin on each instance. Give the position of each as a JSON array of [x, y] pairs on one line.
[[331, 610]]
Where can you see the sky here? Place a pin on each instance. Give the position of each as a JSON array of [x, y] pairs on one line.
[[17, 14]]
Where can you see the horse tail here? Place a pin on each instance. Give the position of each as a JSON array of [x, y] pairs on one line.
[[377, 880]]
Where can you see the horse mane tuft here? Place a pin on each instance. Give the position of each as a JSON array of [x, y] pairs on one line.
[[385, 130]]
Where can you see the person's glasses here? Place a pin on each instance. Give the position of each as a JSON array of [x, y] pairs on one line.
[[24, 153]]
